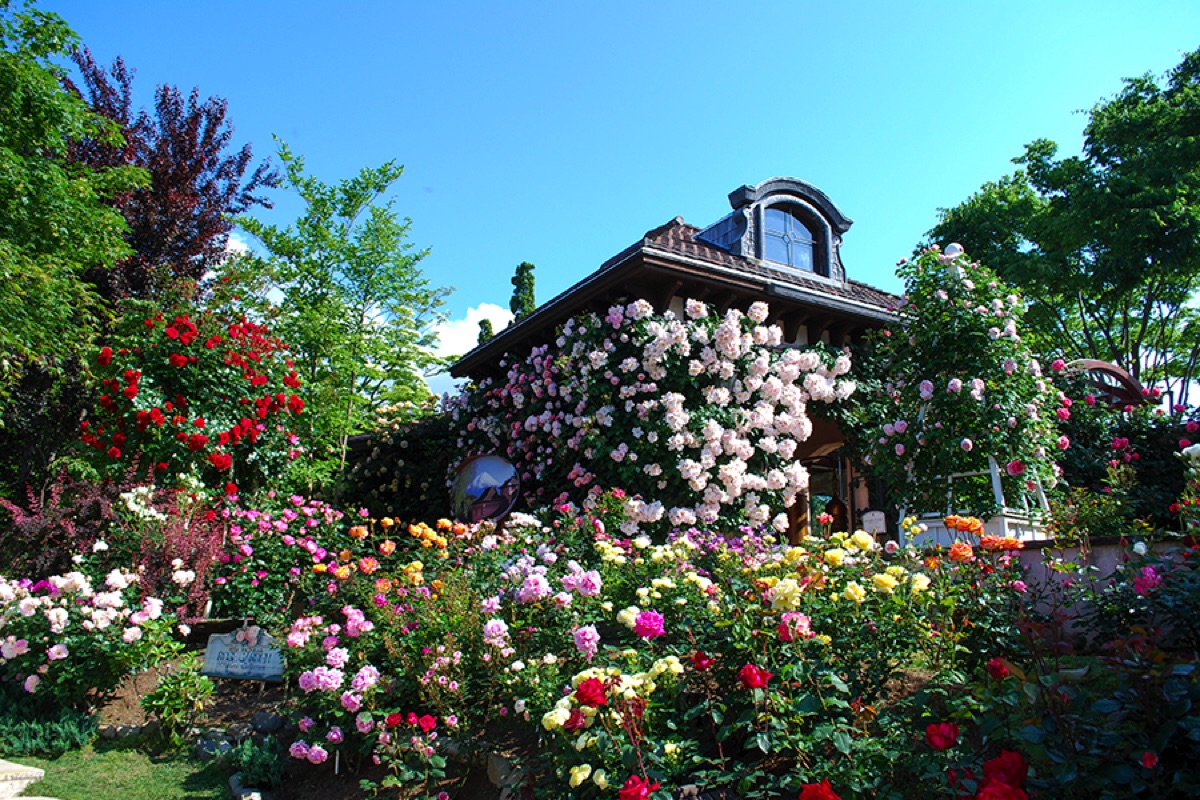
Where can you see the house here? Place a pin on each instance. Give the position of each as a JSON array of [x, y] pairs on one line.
[[780, 243]]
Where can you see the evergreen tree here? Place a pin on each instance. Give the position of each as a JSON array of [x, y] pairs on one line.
[[486, 331], [523, 302]]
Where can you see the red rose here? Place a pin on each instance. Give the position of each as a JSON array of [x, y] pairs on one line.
[[427, 722], [1008, 767], [231, 488], [295, 404], [753, 677], [105, 357], [575, 721], [197, 441], [114, 452], [637, 788], [997, 790], [997, 669], [942, 735], [222, 462], [818, 791], [591, 693], [1149, 760], [394, 719], [130, 391], [177, 360], [701, 661]]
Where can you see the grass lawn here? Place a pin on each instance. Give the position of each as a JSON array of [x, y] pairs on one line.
[[105, 771]]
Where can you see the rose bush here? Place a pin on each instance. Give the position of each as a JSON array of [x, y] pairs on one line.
[[189, 393], [705, 411], [959, 387]]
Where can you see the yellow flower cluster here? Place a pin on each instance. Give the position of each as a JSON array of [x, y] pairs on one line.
[[610, 553], [428, 537]]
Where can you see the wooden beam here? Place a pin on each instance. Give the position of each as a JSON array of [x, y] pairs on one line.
[[666, 291]]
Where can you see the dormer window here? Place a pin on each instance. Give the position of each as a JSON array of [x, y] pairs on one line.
[[789, 225], [787, 239]]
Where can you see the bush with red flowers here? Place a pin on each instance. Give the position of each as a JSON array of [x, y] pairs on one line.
[[190, 393]]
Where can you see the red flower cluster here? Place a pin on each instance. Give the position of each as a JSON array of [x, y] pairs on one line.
[[152, 381], [1003, 778], [701, 661]]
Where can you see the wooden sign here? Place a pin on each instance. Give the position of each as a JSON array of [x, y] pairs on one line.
[[247, 653]]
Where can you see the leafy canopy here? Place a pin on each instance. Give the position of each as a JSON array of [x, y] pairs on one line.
[[1106, 245], [350, 299], [55, 218], [179, 223]]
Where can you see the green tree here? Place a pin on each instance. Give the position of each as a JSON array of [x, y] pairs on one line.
[[1105, 244], [55, 219], [486, 331], [523, 302], [353, 304]]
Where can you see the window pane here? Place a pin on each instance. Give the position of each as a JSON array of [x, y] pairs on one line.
[[800, 230], [802, 256], [776, 220], [775, 249]]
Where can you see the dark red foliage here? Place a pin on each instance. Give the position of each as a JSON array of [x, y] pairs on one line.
[[178, 225], [39, 537]]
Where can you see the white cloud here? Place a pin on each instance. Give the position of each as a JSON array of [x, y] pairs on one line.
[[457, 337], [236, 245]]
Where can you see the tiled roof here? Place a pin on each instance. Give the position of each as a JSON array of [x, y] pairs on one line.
[[679, 237]]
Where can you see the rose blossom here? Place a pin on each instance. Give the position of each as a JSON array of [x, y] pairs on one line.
[[649, 624]]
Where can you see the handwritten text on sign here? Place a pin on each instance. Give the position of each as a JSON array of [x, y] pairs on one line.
[[235, 655]]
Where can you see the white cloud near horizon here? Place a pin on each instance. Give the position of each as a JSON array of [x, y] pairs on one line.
[[457, 337]]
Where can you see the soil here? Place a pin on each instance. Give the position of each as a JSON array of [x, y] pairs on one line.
[[238, 701]]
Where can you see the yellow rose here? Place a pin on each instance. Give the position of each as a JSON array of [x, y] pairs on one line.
[[600, 779], [795, 555], [785, 595], [553, 720], [835, 556], [854, 592], [920, 583], [884, 583], [579, 774], [670, 748], [862, 540], [898, 572]]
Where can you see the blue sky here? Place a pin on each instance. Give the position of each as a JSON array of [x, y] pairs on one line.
[[559, 133]]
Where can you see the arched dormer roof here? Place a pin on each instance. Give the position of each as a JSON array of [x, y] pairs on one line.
[[774, 189], [750, 232]]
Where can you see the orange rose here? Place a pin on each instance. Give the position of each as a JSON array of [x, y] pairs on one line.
[[387, 547], [961, 552], [932, 563]]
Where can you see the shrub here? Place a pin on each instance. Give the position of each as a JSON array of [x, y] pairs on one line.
[[958, 387], [193, 394], [66, 643], [24, 732], [261, 763], [179, 698]]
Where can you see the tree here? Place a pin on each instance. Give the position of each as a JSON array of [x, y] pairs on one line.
[[355, 308], [179, 224], [1106, 244], [486, 331], [55, 219], [523, 302]]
